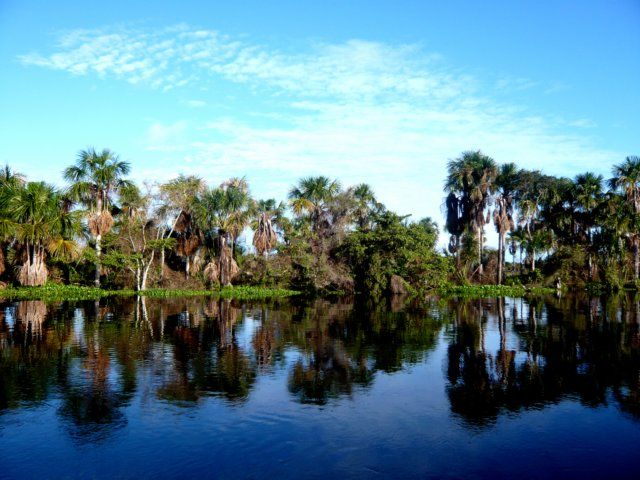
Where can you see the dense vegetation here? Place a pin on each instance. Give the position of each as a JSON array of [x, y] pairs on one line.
[[584, 232], [104, 230]]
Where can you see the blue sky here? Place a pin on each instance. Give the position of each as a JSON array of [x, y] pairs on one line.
[[383, 92]]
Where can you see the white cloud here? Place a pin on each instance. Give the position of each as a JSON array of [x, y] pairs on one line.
[[390, 115], [515, 84], [196, 103], [583, 123], [166, 138]]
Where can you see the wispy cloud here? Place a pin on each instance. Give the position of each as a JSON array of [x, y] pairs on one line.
[[166, 138], [368, 111], [515, 84], [195, 103]]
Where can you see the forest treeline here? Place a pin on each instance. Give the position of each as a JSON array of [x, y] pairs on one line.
[[102, 229]]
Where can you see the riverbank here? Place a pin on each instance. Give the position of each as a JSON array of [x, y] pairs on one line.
[[483, 291], [75, 292]]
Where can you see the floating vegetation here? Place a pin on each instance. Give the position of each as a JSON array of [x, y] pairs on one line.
[[75, 292], [492, 291]]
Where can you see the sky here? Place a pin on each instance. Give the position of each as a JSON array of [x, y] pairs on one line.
[[382, 92]]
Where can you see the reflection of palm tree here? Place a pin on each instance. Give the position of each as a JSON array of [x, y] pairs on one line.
[[32, 314], [94, 408], [207, 357]]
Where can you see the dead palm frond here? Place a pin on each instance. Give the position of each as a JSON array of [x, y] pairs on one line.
[[34, 271], [212, 272], [265, 237], [100, 223]]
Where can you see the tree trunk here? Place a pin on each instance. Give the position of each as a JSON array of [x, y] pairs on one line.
[[480, 267], [222, 257], [145, 272], [636, 258], [187, 266], [500, 256], [98, 254], [533, 260], [138, 278], [162, 265]]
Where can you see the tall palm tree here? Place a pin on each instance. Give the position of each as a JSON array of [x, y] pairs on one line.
[[615, 220], [240, 208], [95, 178], [223, 213], [588, 195], [42, 223], [626, 178], [506, 184], [471, 179], [311, 197]]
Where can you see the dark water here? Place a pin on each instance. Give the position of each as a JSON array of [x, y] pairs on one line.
[[201, 388]]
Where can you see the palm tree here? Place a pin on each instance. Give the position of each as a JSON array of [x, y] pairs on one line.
[[366, 204], [615, 220], [39, 216], [539, 242], [240, 208], [518, 240], [587, 194], [312, 196], [95, 178], [224, 212], [471, 180], [626, 178], [177, 198], [9, 179], [506, 183]]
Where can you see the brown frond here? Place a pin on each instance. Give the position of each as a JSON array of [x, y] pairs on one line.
[[100, 223]]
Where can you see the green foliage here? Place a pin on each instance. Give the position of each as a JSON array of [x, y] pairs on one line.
[[327, 239], [53, 292], [390, 248], [480, 291]]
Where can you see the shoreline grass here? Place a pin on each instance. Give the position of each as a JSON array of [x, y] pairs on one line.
[[480, 291], [75, 292]]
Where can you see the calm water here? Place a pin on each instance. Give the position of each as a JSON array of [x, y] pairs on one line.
[[196, 387]]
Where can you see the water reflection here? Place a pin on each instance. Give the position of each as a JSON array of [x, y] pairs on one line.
[[569, 348], [94, 359]]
